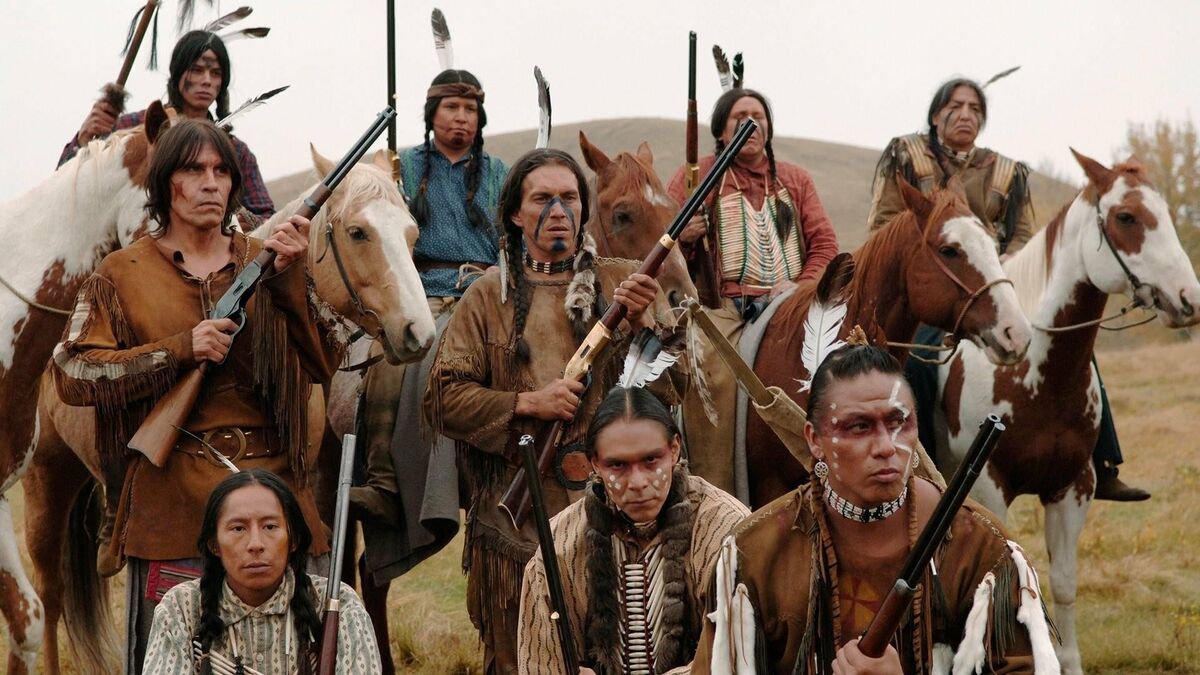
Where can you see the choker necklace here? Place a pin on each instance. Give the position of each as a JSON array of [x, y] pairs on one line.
[[550, 268], [851, 512]]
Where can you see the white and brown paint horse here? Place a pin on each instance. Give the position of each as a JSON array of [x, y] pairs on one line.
[[366, 231], [1116, 237]]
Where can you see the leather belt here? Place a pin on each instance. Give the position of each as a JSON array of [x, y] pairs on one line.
[[234, 443]]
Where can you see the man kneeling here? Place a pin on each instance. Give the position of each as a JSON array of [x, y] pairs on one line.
[[801, 579], [635, 551], [255, 609]]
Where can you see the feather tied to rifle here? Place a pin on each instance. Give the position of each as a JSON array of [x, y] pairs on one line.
[[441, 40], [260, 32], [543, 135], [229, 19], [695, 349], [739, 71], [649, 357], [227, 121], [1000, 76], [723, 71]]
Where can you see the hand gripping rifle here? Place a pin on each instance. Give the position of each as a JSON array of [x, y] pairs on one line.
[[558, 601], [160, 431], [329, 635], [516, 499], [875, 641], [702, 262]]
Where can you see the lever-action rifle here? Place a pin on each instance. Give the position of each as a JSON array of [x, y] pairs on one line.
[[516, 499], [329, 636], [702, 263], [160, 431], [875, 641]]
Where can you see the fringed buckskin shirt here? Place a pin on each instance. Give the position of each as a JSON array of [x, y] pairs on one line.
[[260, 633], [128, 340]]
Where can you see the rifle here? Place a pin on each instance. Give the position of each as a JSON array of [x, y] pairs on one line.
[[329, 636], [558, 601], [702, 262], [516, 499], [114, 92], [883, 626], [160, 430]]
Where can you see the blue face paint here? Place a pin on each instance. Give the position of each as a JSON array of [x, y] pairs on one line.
[[537, 232]]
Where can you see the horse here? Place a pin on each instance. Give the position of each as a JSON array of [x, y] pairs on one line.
[[1115, 237], [362, 269], [55, 234], [934, 263]]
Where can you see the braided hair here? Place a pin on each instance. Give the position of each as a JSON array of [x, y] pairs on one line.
[[512, 194], [420, 204], [940, 99], [304, 602], [720, 117], [187, 51]]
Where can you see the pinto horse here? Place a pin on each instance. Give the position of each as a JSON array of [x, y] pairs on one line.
[[361, 264], [934, 263], [1115, 237]]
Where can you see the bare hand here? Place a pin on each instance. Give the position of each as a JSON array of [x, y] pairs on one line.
[[289, 241], [695, 229], [586, 671], [211, 339], [99, 122], [555, 401], [781, 288], [850, 661], [637, 293]]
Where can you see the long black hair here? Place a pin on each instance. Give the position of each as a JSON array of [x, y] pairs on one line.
[[720, 117], [940, 99], [628, 403], [420, 204], [187, 51], [304, 600], [512, 194], [847, 363]]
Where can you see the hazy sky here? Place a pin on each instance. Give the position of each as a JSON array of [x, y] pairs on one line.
[[853, 72]]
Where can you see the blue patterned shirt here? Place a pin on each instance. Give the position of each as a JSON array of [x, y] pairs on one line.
[[449, 236]]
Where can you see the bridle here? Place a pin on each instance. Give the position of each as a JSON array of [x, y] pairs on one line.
[[363, 311]]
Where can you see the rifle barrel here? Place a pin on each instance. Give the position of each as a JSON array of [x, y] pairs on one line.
[[341, 514], [391, 73]]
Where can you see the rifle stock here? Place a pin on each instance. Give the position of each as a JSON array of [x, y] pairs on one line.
[[885, 622]]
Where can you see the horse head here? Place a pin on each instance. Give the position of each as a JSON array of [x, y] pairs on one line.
[[360, 253], [1131, 245], [953, 276], [631, 212]]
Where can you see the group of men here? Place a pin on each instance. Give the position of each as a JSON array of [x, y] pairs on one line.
[[654, 581]]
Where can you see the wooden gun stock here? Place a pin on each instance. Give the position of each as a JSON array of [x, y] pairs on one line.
[[159, 433]]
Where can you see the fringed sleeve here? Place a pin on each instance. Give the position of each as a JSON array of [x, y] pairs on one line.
[[886, 201], [313, 334]]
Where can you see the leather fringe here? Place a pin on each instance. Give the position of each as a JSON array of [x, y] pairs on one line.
[[281, 382]]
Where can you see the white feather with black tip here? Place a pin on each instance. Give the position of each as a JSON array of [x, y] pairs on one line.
[[821, 328], [226, 121], [723, 71], [649, 357], [739, 71], [543, 135], [229, 19], [441, 40]]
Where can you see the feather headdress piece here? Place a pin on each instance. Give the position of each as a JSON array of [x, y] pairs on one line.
[[543, 136], [1000, 76], [441, 40], [227, 121]]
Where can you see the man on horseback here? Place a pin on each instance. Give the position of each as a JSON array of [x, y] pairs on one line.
[[452, 186], [636, 551], [498, 374], [997, 190], [139, 324], [199, 76], [802, 578]]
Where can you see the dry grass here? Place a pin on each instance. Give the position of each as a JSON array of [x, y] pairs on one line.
[[1139, 591]]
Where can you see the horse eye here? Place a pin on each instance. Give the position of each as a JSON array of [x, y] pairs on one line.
[[1126, 218], [948, 252], [357, 234], [622, 218]]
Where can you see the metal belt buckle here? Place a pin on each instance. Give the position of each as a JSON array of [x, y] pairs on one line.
[[208, 448]]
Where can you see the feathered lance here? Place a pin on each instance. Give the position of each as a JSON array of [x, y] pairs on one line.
[[702, 264], [393, 152], [114, 92], [516, 499]]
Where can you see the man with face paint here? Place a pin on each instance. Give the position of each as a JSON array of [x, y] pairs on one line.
[[801, 578], [498, 374], [200, 76], [635, 551]]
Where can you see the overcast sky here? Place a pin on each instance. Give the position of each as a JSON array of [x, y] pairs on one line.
[[853, 72]]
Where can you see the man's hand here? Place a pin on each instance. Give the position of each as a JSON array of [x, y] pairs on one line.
[[781, 288], [850, 661], [99, 122], [695, 229], [637, 293], [211, 339], [586, 671], [289, 240], [555, 401]]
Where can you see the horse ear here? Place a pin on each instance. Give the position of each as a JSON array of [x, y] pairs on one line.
[[644, 154], [380, 159], [1098, 174], [914, 199], [156, 121], [593, 156], [322, 165]]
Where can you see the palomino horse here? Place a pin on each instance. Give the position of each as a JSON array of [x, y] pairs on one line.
[[934, 263], [1115, 237], [361, 264], [54, 235]]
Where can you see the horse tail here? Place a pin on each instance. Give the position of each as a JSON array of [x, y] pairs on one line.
[[86, 611]]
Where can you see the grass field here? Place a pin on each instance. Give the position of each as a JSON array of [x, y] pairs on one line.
[[1139, 595]]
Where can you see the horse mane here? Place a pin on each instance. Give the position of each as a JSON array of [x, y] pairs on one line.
[[365, 182], [635, 175], [1029, 268]]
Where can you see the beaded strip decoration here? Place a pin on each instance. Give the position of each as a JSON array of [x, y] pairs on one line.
[[851, 512], [550, 268], [641, 596]]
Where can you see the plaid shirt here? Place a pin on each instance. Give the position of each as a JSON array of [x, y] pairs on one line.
[[255, 197]]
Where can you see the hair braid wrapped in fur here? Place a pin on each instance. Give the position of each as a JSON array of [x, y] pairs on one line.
[[522, 293], [604, 607]]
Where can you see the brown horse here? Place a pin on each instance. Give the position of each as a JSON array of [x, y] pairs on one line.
[[933, 264], [370, 225], [1115, 237]]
